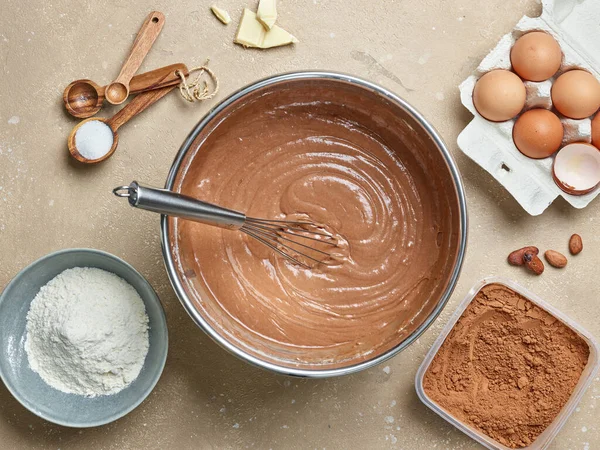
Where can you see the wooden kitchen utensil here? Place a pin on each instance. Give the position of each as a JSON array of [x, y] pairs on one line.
[[136, 106], [84, 98], [117, 91]]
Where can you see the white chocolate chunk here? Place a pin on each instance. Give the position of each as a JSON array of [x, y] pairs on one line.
[[267, 13], [221, 14], [251, 33]]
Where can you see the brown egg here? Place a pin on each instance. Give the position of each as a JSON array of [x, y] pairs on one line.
[[576, 94], [596, 131], [499, 95], [538, 133], [536, 56]]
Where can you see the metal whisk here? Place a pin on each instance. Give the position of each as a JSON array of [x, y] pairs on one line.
[[290, 239]]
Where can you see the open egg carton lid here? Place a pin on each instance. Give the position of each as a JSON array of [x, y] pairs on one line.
[[574, 24]]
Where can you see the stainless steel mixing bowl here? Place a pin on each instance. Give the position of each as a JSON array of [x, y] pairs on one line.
[[416, 127]]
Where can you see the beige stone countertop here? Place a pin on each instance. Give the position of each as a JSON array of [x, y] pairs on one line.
[[207, 398]]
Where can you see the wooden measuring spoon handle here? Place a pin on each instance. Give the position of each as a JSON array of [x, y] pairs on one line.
[[148, 33], [158, 78], [137, 105], [155, 79]]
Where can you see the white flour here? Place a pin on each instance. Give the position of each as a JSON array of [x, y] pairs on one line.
[[87, 332]]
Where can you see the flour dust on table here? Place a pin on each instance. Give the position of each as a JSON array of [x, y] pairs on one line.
[[87, 332]]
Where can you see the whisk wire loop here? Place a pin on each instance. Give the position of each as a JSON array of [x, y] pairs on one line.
[[277, 237]]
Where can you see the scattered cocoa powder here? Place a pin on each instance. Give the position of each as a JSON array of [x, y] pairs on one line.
[[507, 367]]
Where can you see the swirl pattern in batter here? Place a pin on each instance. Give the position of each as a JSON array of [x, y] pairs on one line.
[[281, 156]]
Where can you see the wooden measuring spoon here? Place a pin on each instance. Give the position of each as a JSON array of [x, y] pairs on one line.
[[133, 108], [118, 90], [84, 98]]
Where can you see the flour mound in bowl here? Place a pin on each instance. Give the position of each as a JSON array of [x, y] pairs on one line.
[[87, 332]]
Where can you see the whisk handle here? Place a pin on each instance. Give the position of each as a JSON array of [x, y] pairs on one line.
[[170, 203]]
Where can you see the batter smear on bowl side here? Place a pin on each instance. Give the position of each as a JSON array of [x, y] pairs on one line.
[[345, 160]]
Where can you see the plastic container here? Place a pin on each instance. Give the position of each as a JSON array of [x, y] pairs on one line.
[[588, 374]]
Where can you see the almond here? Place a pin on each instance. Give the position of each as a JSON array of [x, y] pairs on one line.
[[575, 244], [533, 263], [516, 257], [555, 259]]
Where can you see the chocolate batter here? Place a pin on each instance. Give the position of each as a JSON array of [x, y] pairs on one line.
[[346, 159]]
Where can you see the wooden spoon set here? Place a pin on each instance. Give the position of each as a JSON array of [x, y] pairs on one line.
[[84, 98]]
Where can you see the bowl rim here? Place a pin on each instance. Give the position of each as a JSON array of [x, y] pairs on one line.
[[161, 317], [462, 206]]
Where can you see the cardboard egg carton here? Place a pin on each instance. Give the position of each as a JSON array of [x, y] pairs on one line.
[[574, 24]]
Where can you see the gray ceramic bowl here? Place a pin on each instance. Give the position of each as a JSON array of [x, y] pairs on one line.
[[27, 386]]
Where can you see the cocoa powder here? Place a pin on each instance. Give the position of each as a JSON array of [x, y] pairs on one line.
[[507, 367]]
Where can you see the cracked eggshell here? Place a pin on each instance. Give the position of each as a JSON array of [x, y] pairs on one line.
[[576, 168]]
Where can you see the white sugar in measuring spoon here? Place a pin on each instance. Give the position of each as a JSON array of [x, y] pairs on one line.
[[95, 140]]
